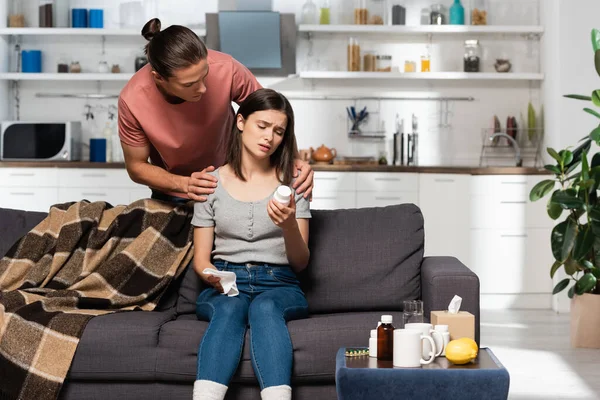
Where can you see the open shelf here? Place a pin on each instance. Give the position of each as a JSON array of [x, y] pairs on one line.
[[79, 32], [422, 75], [424, 29], [64, 77]]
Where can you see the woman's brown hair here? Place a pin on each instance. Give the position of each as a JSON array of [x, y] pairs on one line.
[[283, 158], [173, 48]]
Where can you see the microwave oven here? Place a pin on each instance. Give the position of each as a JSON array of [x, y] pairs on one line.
[[40, 141]]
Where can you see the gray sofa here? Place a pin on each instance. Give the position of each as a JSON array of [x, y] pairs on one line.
[[364, 263]]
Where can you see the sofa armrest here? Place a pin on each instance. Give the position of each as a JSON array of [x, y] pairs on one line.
[[444, 277]]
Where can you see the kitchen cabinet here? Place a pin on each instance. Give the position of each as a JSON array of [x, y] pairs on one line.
[[334, 190], [380, 189], [444, 200], [510, 242]]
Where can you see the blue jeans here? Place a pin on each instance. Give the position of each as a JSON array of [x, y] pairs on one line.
[[269, 297]]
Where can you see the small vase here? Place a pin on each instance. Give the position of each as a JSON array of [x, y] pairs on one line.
[[457, 13]]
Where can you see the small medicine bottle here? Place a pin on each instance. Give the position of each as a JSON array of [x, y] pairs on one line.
[[385, 339], [282, 195]]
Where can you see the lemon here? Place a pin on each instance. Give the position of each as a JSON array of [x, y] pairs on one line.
[[461, 351], [471, 343]]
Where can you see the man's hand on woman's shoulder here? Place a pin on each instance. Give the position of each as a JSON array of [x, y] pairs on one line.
[[201, 184], [304, 175]]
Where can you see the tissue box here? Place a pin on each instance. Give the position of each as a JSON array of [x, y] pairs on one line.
[[459, 325]]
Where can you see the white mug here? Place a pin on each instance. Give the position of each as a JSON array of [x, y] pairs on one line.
[[427, 330], [408, 348]]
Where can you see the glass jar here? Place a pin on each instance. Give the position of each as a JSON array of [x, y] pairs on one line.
[[353, 55], [472, 56], [116, 69], [140, 61], [361, 12], [397, 13], [479, 12], [425, 63], [103, 67], [16, 19], [410, 66], [426, 16], [384, 63], [325, 13], [309, 13], [369, 61], [437, 15], [377, 12], [46, 13], [75, 68], [63, 65]]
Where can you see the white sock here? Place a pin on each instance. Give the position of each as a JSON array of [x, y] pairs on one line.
[[209, 390], [281, 392]]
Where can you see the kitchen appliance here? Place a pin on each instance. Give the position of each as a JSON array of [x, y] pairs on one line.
[[40, 141]]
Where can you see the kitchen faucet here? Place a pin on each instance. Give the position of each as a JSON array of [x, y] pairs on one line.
[[518, 158]]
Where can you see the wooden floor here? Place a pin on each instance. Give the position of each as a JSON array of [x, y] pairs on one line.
[[534, 347]]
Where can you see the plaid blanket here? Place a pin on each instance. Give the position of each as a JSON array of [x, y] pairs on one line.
[[83, 260]]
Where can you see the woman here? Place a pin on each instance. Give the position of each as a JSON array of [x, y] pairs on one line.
[[262, 241], [176, 112]]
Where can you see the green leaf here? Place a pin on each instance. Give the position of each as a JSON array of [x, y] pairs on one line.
[[555, 267], [552, 168], [571, 293], [563, 239], [554, 154], [585, 167], [590, 111], [594, 213], [567, 200], [560, 286], [571, 266], [596, 160], [596, 98], [572, 167], [582, 148], [541, 189], [566, 157], [586, 264], [595, 39], [597, 61], [596, 272], [554, 210], [586, 283], [578, 97], [596, 229], [595, 135], [587, 184], [583, 243]]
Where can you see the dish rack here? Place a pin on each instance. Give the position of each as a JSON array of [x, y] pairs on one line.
[[370, 127], [502, 152]]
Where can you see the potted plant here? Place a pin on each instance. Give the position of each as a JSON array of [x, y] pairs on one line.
[[575, 239]]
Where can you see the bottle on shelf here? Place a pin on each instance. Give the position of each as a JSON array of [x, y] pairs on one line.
[[457, 13], [325, 13], [309, 13], [46, 13]]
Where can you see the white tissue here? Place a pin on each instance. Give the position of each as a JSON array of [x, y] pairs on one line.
[[227, 281], [454, 305]]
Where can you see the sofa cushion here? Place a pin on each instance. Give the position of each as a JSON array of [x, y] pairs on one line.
[[316, 341], [14, 224], [361, 259], [121, 346]]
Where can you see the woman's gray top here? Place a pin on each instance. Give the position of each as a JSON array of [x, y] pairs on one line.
[[244, 232]]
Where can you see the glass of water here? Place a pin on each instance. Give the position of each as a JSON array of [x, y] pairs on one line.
[[412, 312]]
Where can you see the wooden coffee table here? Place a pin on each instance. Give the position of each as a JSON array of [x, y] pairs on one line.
[[364, 378]]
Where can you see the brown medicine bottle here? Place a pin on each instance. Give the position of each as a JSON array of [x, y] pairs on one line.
[[385, 339]]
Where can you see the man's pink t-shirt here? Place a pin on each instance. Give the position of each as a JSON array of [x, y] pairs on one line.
[[187, 137]]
